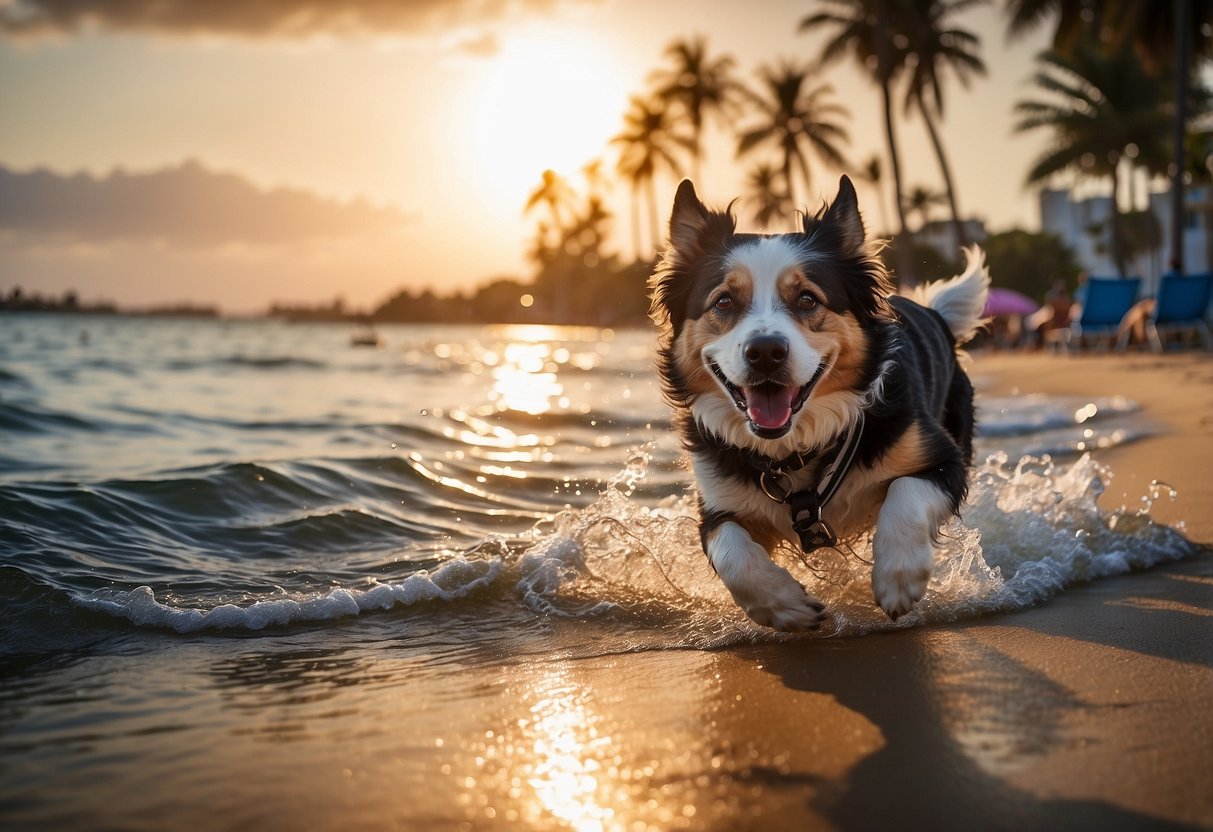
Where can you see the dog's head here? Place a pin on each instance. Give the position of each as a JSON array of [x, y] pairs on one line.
[[759, 328]]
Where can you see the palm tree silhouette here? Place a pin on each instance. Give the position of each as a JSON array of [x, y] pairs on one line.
[[796, 118], [765, 189], [1100, 108], [1073, 18], [596, 179], [866, 31], [937, 46], [554, 192], [872, 172], [1166, 35], [698, 85], [648, 141], [921, 200]]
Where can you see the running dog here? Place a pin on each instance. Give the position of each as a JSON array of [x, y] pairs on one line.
[[813, 401]]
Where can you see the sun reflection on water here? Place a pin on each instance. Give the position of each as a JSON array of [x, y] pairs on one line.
[[525, 380]]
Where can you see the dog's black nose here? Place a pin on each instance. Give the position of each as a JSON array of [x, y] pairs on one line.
[[766, 353]]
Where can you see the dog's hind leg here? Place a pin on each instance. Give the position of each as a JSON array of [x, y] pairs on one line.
[[768, 593], [904, 545]]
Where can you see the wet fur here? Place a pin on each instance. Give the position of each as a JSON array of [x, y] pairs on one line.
[[825, 293]]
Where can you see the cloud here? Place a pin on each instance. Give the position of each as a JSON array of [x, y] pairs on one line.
[[188, 205], [254, 18]]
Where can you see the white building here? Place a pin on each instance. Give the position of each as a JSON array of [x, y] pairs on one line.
[[941, 236], [1083, 226]]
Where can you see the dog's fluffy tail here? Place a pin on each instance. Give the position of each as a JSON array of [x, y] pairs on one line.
[[960, 300]]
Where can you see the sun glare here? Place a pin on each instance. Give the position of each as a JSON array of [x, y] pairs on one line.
[[549, 99]]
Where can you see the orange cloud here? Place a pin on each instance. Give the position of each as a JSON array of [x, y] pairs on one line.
[[255, 18], [188, 205]]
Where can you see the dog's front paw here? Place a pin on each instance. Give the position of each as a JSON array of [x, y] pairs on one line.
[[775, 599], [768, 593], [903, 547], [900, 581]]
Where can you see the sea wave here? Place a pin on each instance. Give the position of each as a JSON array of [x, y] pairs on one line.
[[1030, 530]]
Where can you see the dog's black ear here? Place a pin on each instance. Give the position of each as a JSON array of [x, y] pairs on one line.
[[843, 215], [693, 228]]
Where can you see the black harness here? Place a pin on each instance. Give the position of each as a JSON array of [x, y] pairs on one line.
[[774, 477]]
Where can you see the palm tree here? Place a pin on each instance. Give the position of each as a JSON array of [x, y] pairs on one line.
[[865, 30], [1073, 18], [1165, 34], [937, 47], [796, 118], [648, 140], [698, 85], [872, 172], [765, 188], [596, 179], [921, 200], [554, 192], [1098, 106]]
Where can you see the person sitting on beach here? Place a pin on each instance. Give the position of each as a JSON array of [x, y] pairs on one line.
[[1056, 313]]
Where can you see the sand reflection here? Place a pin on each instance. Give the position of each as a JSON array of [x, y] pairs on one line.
[[568, 755]]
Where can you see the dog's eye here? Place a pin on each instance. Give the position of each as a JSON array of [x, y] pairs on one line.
[[806, 301], [724, 303]]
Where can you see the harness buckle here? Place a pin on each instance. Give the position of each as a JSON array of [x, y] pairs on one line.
[[818, 534], [814, 532], [776, 484]]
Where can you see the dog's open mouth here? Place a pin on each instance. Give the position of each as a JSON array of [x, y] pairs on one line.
[[768, 406]]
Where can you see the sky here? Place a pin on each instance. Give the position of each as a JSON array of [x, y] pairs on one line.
[[298, 151]]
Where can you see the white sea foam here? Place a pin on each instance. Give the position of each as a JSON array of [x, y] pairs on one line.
[[1028, 531], [452, 580]]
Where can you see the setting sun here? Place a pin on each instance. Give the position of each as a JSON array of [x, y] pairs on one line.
[[550, 100]]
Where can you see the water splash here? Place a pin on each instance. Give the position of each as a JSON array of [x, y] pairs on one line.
[[1029, 530]]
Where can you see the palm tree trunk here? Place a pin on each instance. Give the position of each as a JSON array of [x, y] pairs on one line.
[[787, 178], [636, 219], [652, 189], [905, 262], [1118, 251], [1183, 9], [884, 209], [945, 169], [697, 155]]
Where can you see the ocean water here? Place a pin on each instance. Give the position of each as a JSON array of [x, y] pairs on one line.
[[211, 528]]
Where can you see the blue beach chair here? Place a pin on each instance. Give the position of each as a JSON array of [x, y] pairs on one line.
[[1180, 306], [1106, 302]]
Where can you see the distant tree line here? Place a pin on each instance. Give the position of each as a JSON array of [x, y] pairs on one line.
[[16, 300]]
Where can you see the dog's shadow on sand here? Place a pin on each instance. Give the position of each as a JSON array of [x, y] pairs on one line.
[[962, 720]]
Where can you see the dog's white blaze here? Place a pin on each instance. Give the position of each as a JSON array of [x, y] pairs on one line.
[[765, 260]]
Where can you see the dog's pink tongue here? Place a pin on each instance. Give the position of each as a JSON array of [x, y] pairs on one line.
[[769, 406]]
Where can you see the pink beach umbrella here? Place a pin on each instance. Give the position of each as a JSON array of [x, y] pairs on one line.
[[1008, 302]]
